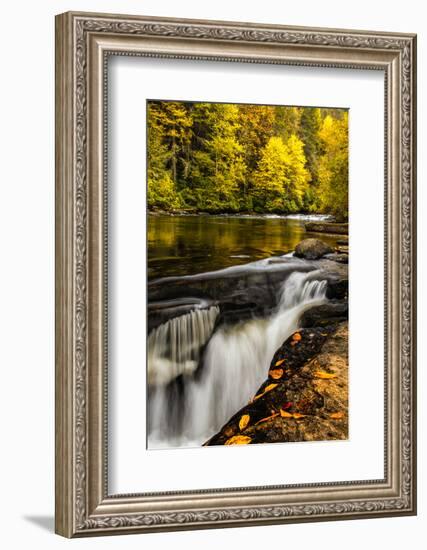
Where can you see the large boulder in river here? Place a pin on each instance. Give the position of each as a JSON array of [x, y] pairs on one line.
[[312, 249]]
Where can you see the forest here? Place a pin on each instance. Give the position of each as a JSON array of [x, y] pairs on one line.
[[241, 158]]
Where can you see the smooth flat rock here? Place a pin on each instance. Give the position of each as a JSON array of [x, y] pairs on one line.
[[327, 227]]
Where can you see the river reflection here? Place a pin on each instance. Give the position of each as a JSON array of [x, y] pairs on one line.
[[185, 245]]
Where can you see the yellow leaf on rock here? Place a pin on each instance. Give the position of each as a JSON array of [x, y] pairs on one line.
[[266, 389], [324, 375], [285, 414], [337, 415], [278, 363], [238, 440], [275, 373], [244, 421]]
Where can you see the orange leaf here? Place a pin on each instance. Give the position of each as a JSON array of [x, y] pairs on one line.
[[297, 337], [337, 415], [285, 414], [324, 375], [275, 373], [278, 363], [238, 440], [244, 421]]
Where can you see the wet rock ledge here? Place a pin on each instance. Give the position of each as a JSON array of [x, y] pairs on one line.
[[304, 398]]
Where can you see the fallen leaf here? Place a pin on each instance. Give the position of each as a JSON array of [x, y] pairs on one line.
[[287, 405], [229, 431], [285, 414], [275, 373], [244, 421], [238, 440], [266, 389], [278, 363], [324, 375], [337, 415], [267, 418], [297, 337]]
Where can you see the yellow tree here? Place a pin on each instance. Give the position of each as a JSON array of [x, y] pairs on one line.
[[281, 178], [333, 166], [298, 174]]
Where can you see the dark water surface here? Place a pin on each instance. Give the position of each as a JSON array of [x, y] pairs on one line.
[[186, 245]]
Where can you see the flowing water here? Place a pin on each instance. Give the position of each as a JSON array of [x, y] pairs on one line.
[[199, 377]]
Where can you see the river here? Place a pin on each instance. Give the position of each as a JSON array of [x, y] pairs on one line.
[[186, 245], [200, 371]]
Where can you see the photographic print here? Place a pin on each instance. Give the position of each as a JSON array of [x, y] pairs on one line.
[[203, 182], [247, 274]]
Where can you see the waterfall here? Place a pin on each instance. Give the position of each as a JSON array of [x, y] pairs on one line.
[[174, 347], [192, 408]]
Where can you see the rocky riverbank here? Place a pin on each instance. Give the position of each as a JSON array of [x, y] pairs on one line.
[[327, 227], [223, 327], [305, 394]]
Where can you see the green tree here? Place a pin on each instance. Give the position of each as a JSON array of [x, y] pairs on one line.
[[161, 192], [256, 126], [287, 121], [174, 119], [310, 124], [218, 171]]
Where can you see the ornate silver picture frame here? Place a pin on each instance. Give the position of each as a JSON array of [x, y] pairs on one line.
[[84, 42]]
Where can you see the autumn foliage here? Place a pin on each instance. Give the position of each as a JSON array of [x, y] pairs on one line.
[[247, 158]]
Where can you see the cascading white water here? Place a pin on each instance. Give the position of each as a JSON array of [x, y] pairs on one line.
[[174, 347], [235, 363]]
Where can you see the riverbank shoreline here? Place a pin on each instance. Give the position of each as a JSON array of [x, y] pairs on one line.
[[244, 214], [304, 396]]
